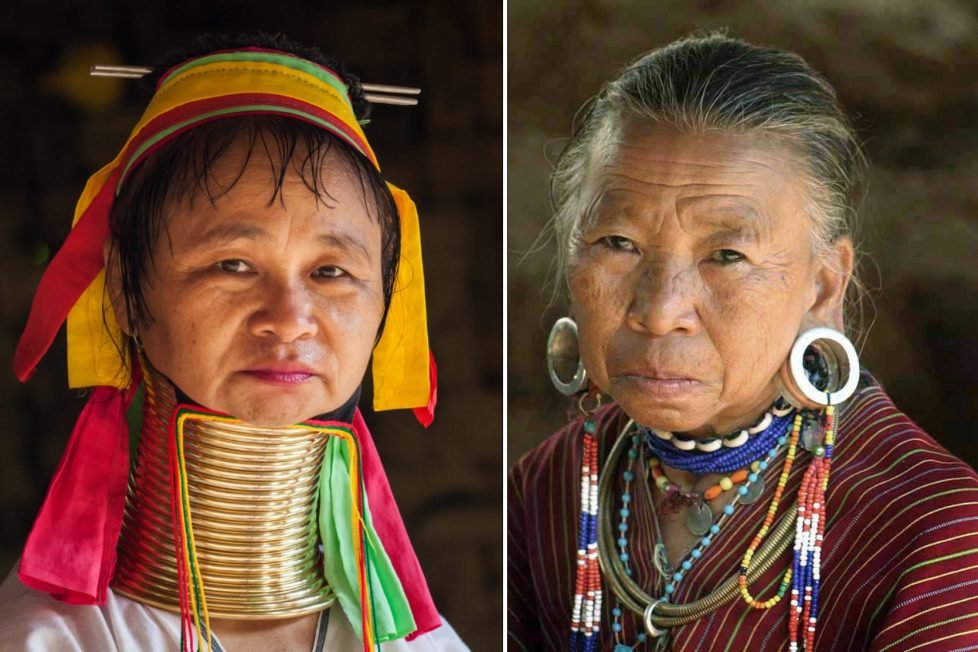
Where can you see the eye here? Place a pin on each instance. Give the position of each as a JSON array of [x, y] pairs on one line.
[[727, 256], [329, 271], [234, 266], [618, 243]]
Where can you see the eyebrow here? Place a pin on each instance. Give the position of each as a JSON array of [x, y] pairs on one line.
[[225, 233], [733, 218]]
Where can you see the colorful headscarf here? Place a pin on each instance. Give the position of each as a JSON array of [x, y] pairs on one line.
[[71, 550]]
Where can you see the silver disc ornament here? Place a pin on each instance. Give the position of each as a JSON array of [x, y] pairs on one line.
[[754, 491], [699, 518]]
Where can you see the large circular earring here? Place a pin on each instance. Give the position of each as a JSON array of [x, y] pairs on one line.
[[564, 358], [832, 363]]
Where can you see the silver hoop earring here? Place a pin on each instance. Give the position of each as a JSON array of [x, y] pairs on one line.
[[564, 358], [840, 363]]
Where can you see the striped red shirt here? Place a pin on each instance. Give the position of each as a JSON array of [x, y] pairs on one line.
[[899, 560]]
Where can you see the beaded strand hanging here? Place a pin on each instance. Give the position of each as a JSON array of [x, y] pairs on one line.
[[586, 615]]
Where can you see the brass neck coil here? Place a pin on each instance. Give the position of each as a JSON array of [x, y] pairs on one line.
[[253, 496]]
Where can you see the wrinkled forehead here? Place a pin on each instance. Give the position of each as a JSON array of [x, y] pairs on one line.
[[639, 164]]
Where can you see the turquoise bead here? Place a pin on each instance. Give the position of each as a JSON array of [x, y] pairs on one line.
[[626, 498], [624, 557], [642, 637], [632, 454], [622, 542], [616, 627], [764, 465], [696, 553], [742, 490], [670, 588], [629, 476], [687, 565], [677, 577], [728, 509], [622, 648], [714, 529], [752, 477], [590, 427], [623, 527], [616, 612], [705, 541]]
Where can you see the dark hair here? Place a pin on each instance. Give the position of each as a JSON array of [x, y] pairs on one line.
[[183, 169]]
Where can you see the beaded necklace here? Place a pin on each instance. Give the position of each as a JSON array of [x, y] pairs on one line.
[[802, 524], [804, 574], [723, 459], [699, 516], [587, 585], [675, 577]]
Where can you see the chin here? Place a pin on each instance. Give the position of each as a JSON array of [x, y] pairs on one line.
[[674, 415], [270, 412]]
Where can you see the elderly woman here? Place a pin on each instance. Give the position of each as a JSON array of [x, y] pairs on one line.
[[227, 279], [731, 482]]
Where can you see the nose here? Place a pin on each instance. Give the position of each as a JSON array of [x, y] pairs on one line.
[[284, 312], [665, 299]]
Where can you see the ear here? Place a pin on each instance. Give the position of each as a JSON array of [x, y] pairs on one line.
[[113, 287], [832, 277]]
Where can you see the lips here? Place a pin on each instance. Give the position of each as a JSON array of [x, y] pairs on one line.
[[285, 373], [655, 382], [659, 388]]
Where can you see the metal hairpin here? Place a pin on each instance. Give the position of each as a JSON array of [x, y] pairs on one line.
[[373, 93]]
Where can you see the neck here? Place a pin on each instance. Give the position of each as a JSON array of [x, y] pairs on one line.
[[252, 494]]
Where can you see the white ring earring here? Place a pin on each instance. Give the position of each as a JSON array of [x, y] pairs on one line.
[[564, 358], [841, 362]]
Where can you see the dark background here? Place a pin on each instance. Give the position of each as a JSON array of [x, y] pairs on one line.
[[59, 126], [907, 70]]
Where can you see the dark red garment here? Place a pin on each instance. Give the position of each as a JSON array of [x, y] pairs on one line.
[[899, 564]]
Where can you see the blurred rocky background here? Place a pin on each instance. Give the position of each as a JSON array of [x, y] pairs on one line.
[[907, 70], [59, 126]]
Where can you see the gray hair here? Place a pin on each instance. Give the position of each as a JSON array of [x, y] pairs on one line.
[[714, 82]]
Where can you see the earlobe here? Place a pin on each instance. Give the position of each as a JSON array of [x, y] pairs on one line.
[[832, 280]]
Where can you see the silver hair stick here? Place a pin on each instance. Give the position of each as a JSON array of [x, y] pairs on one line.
[[373, 93]]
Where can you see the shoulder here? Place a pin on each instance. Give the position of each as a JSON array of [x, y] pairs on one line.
[[898, 500], [559, 456], [881, 453], [33, 621], [905, 514]]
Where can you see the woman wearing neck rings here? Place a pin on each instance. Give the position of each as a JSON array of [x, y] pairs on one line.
[[730, 481], [226, 282]]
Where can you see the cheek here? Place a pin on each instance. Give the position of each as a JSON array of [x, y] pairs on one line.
[[598, 303], [189, 338], [753, 322]]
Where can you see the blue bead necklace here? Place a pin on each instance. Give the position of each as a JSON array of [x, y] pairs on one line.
[[723, 460]]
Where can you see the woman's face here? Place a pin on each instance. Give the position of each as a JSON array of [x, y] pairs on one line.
[[694, 273], [266, 309]]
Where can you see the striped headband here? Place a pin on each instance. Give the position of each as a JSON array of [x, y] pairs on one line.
[[221, 85]]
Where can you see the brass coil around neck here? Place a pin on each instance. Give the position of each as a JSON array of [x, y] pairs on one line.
[[253, 496]]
